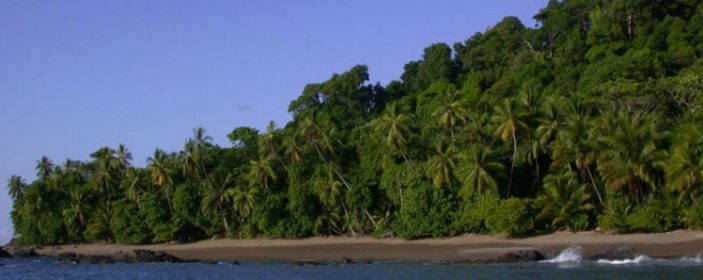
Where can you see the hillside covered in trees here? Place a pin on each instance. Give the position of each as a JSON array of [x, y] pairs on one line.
[[593, 118]]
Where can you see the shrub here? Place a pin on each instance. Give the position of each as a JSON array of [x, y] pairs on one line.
[[475, 211], [693, 216], [426, 211], [127, 226], [512, 217]]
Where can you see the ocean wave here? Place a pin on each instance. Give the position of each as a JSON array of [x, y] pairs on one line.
[[637, 260], [568, 255], [696, 259]]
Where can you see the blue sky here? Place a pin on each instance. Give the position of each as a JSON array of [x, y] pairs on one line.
[[79, 75]]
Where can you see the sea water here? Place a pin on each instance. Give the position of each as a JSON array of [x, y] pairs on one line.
[[567, 265]]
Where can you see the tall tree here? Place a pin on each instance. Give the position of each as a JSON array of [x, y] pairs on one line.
[[509, 119]]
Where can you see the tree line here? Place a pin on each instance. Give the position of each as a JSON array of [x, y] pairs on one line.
[[591, 119]]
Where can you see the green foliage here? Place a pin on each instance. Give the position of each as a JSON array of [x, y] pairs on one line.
[[595, 112], [128, 226], [426, 212], [694, 215], [512, 217], [475, 211]]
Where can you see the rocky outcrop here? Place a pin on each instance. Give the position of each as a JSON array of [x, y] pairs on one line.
[[4, 254], [20, 251], [621, 253], [135, 256], [521, 256]]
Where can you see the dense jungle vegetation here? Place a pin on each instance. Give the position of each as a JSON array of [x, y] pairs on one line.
[[593, 118]]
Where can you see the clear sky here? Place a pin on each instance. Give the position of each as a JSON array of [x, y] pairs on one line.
[[79, 75]]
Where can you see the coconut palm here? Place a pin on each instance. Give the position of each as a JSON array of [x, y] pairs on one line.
[[268, 144], [195, 154], [216, 187], [629, 150], [573, 146], [452, 112], [44, 167], [480, 171], [394, 129], [79, 207], [243, 200], [16, 187], [161, 170], [104, 176], [293, 149], [508, 120], [440, 167], [122, 158], [133, 186], [683, 170], [564, 197], [261, 172]]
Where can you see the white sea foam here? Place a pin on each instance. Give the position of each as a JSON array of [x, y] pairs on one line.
[[568, 255], [637, 260], [697, 259]]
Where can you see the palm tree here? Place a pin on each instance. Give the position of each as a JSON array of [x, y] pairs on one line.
[[44, 167], [123, 156], [16, 187], [243, 200], [322, 140], [216, 193], [79, 207], [268, 144], [564, 197], [452, 112], [480, 171], [441, 166], [261, 172], [105, 161], [509, 119], [293, 150], [328, 190], [132, 185], [161, 172], [629, 150], [393, 127], [683, 170], [196, 153], [573, 145]]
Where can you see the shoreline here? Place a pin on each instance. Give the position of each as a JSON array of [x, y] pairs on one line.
[[465, 248]]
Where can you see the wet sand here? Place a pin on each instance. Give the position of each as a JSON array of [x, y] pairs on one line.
[[461, 248]]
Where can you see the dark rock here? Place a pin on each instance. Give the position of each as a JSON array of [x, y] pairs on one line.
[[96, 259], [20, 251], [142, 256], [620, 253], [308, 263], [234, 263], [4, 254], [346, 260], [515, 257], [67, 257], [136, 256]]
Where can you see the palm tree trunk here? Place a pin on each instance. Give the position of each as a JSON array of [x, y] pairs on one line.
[[375, 226], [593, 183], [512, 162]]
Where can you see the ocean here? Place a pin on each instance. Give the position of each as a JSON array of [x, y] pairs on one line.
[[568, 265]]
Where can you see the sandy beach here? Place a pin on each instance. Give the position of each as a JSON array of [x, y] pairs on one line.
[[461, 248]]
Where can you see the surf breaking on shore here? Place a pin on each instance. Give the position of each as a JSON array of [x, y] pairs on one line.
[[469, 248]]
